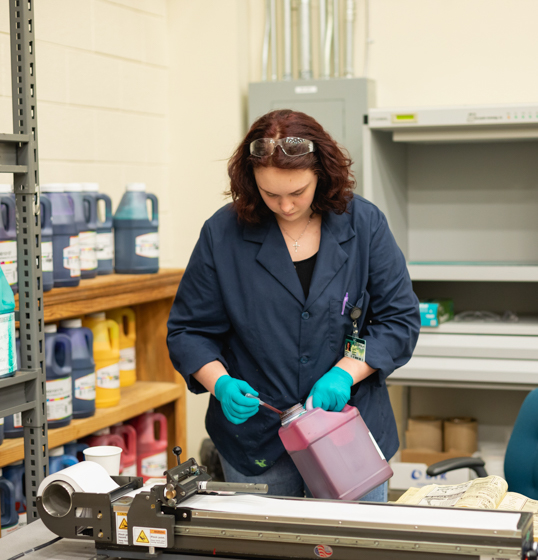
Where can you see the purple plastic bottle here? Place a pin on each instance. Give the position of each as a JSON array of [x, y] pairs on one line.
[[335, 452]]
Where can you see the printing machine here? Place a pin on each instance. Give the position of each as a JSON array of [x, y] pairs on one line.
[[172, 521]]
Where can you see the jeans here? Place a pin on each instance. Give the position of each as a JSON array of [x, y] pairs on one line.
[[284, 479]]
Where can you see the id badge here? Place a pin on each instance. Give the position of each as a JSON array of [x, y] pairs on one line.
[[354, 346]]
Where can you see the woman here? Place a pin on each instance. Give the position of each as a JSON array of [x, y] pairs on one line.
[[264, 305]]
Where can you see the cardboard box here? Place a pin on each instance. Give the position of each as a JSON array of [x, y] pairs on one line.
[[433, 312], [429, 457], [407, 475]]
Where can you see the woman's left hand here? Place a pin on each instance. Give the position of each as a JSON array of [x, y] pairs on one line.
[[332, 391]]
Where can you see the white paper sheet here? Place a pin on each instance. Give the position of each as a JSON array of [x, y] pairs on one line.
[[365, 513]]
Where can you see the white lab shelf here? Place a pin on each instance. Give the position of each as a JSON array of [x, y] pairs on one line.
[[473, 273], [525, 326]]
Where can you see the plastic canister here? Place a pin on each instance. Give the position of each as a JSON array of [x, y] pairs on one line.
[[136, 237], [83, 374], [9, 518], [106, 353], [15, 474], [12, 425], [59, 460], [8, 353], [334, 452], [86, 219], [47, 263], [75, 449], [8, 235], [151, 451], [125, 317], [65, 247], [128, 456], [59, 382], [104, 238]]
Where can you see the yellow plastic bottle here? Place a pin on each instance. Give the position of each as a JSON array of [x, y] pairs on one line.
[[125, 317], [106, 353]]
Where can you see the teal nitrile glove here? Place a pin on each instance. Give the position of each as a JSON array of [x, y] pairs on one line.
[[231, 394], [332, 391]]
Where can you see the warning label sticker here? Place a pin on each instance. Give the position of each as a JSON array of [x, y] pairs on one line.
[[148, 536], [122, 536]]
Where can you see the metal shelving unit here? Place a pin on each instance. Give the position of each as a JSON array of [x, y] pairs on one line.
[[26, 392]]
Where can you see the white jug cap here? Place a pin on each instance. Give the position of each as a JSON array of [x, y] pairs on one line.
[[102, 432], [98, 315], [57, 451], [53, 187], [6, 188], [51, 328], [71, 323], [135, 187], [73, 187], [90, 187]]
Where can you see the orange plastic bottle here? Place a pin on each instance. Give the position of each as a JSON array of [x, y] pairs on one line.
[[106, 354], [125, 317]]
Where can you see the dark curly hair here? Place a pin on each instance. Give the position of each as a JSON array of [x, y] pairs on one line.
[[329, 162]]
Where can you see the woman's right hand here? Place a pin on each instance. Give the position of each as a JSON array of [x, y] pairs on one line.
[[231, 393]]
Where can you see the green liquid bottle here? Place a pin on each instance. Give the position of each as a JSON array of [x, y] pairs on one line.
[[8, 354]]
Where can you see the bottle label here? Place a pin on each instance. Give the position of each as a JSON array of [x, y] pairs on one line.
[[17, 420], [88, 257], [147, 245], [8, 530], [128, 359], [129, 471], [46, 256], [59, 401], [1, 421], [23, 517], [85, 387], [105, 246], [71, 256], [154, 465], [8, 354], [8, 260], [109, 377]]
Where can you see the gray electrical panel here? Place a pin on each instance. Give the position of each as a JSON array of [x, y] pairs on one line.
[[340, 105]]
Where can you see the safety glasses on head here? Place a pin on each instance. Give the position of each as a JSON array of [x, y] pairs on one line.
[[291, 146]]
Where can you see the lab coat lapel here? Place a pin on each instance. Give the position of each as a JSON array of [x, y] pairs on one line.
[[331, 257], [274, 257]]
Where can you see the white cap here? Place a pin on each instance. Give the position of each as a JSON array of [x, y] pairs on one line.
[[57, 451], [135, 187], [73, 187], [98, 315], [53, 187], [102, 432], [71, 323], [51, 328], [6, 188], [90, 187]]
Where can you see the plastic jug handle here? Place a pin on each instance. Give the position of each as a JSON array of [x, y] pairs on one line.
[[63, 339], [108, 208], [10, 203], [155, 212], [114, 333], [163, 428], [46, 211]]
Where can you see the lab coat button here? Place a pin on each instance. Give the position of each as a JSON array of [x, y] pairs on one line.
[[305, 315], [304, 360]]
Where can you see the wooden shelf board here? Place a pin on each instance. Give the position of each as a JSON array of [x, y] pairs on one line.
[[108, 292], [135, 400]]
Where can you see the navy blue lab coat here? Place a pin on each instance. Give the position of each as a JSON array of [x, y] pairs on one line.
[[240, 302]]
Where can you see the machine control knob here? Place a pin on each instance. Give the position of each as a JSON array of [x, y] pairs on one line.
[[177, 452], [170, 491]]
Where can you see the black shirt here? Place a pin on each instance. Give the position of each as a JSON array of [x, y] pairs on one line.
[[305, 269]]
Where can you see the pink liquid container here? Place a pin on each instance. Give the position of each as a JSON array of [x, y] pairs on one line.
[[151, 444], [335, 452], [128, 456]]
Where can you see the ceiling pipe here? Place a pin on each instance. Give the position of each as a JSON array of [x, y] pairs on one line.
[[323, 71], [306, 56], [350, 20], [288, 73], [274, 73], [336, 38], [266, 36]]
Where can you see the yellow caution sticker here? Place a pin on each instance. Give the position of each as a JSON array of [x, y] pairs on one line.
[[150, 536], [122, 536]]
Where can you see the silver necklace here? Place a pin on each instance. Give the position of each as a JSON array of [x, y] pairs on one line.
[[296, 244]]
